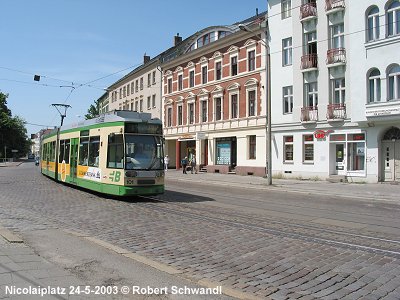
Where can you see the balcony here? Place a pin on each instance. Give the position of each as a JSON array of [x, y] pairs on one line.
[[309, 62], [308, 11], [336, 57], [309, 114], [336, 112], [332, 6]]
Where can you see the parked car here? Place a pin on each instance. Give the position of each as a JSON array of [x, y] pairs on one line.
[[37, 161], [31, 156]]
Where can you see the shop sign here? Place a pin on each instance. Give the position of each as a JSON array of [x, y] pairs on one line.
[[186, 137], [382, 112], [321, 135]]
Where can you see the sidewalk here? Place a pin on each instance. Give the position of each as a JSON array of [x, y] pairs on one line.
[[367, 191]]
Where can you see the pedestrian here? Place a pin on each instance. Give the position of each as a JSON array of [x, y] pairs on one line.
[[184, 163], [166, 162], [193, 165]]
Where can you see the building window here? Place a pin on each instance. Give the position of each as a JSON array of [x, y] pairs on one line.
[[234, 66], [180, 82], [169, 85], [154, 77], [288, 99], [141, 105], [311, 43], [204, 40], [218, 108], [132, 86], [218, 70], [137, 85], [204, 111], [191, 113], [141, 83], [180, 115], [374, 86], [394, 83], [311, 94], [287, 52], [338, 87], [204, 74], [154, 100], [234, 106], [148, 102], [252, 147], [393, 18], [191, 79], [128, 90], [373, 24], [120, 93], [169, 116], [286, 9], [288, 148], [308, 148], [137, 106], [251, 103], [251, 57], [337, 36], [148, 79]]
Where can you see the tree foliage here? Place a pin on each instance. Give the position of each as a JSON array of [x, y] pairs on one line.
[[93, 110], [13, 132]]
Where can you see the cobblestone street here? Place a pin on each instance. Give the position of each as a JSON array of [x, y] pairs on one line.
[[243, 247]]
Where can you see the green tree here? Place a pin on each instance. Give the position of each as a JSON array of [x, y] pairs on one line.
[[13, 134], [93, 110]]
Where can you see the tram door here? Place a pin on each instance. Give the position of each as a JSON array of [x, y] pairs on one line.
[[74, 159]]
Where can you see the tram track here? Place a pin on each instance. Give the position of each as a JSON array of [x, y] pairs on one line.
[[307, 233]]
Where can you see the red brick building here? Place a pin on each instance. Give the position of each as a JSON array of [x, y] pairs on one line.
[[214, 99]]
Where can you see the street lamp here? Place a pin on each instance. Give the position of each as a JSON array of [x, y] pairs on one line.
[[268, 125]]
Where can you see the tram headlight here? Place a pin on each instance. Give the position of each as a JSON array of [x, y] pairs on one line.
[[130, 173]]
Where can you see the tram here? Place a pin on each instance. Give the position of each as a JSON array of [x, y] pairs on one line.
[[119, 153]]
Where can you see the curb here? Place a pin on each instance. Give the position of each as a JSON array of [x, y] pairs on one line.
[[165, 268]]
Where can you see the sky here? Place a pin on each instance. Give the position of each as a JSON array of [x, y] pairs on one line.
[[80, 47]]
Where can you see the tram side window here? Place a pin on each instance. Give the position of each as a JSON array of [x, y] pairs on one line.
[[83, 151], [64, 151], [115, 151], [52, 151], [94, 146], [44, 152]]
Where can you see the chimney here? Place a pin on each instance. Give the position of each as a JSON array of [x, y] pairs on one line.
[[177, 39], [256, 11], [146, 58]]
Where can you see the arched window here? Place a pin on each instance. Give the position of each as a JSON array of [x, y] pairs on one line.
[[373, 24], [374, 86], [394, 83], [393, 18]]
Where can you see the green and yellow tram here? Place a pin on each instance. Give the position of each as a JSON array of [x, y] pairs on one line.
[[119, 153]]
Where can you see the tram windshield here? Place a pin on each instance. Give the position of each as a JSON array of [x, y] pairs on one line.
[[143, 152]]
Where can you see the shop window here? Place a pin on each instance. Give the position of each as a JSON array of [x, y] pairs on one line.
[[223, 152], [252, 147], [356, 152], [288, 148], [308, 148]]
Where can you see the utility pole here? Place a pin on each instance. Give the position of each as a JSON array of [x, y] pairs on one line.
[[62, 109]]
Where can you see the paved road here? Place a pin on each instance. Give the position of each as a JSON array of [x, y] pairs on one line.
[[262, 243]]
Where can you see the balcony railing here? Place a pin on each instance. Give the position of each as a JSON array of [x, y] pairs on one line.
[[336, 111], [337, 55], [334, 4], [309, 114], [309, 61], [308, 10]]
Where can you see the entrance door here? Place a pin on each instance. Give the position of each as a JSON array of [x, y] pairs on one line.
[[74, 159], [391, 160], [340, 163]]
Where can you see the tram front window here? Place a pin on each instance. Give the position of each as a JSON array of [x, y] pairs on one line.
[[143, 152]]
